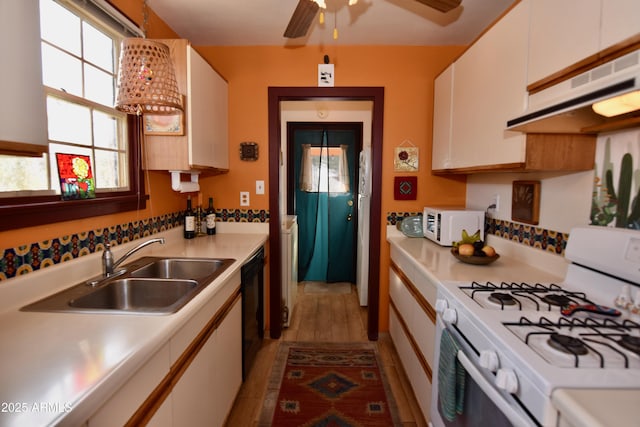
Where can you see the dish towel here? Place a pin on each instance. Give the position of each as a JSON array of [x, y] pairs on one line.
[[451, 378]]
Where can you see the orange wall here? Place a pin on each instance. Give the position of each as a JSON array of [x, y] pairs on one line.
[[406, 73]]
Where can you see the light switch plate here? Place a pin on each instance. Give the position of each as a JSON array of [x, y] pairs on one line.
[[260, 187], [244, 198]]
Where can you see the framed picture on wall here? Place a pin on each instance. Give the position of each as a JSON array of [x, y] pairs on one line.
[[525, 202], [172, 124]]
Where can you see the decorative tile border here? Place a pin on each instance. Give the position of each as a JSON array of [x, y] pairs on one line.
[[242, 215], [536, 237], [34, 256], [529, 235]]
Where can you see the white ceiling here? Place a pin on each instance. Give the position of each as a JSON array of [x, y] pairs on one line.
[[369, 22]]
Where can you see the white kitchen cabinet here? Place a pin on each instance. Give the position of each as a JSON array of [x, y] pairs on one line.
[[489, 87], [478, 94], [620, 21], [23, 123], [412, 325], [205, 143], [443, 92], [561, 34], [568, 32], [206, 391], [122, 405]]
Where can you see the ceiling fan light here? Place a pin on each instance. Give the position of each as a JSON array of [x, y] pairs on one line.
[[321, 4], [352, 2], [618, 105]]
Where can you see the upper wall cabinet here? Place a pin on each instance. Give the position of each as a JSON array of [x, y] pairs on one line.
[[620, 20], [476, 96], [561, 34], [204, 145], [23, 124], [443, 93], [488, 89], [485, 89], [566, 32]]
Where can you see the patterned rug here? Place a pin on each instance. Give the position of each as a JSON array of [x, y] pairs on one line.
[[322, 384]]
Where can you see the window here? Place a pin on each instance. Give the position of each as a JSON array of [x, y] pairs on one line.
[[80, 49], [324, 169]]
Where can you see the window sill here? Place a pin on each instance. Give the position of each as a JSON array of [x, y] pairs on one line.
[[18, 213]]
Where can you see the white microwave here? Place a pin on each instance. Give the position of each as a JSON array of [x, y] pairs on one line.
[[444, 225]]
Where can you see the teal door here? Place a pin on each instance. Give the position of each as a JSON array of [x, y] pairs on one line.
[[325, 181]]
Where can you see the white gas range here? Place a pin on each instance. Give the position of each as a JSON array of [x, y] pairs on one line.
[[525, 340]]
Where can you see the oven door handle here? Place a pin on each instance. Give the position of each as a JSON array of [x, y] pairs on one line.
[[516, 418]]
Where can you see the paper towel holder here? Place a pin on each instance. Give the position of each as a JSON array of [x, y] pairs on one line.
[[185, 186]]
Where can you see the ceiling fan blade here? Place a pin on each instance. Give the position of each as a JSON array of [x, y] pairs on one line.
[[301, 19], [443, 6]]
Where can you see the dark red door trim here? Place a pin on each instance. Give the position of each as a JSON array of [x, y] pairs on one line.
[[276, 95]]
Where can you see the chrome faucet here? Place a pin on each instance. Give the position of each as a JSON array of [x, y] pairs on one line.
[[108, 263]]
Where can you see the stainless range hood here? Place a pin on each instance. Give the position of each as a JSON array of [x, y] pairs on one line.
[[567, 106]]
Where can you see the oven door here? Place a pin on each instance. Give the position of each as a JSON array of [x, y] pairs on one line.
[[484, 404]]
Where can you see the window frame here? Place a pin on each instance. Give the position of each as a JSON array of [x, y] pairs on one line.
[[27, 211]]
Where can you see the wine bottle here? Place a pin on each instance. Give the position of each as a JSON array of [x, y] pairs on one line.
[[189, 221], [211, 218]]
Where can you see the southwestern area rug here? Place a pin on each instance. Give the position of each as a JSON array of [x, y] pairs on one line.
[[328, 384]]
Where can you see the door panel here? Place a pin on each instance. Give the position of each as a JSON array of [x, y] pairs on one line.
[[326, 214]]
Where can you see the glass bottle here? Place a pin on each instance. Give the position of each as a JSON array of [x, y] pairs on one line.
[[211, 218], [189, 221]]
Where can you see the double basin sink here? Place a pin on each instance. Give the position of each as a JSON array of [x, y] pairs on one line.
[[149, 285]]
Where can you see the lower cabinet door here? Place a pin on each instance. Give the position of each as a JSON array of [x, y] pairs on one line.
[[206, 391]]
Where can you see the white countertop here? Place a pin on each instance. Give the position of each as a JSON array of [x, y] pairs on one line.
[[581, 408], [598, 408], [60, 367], [439, 264]]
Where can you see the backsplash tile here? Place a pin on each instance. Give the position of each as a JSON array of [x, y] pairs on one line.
[[35, 256], [528, 235]]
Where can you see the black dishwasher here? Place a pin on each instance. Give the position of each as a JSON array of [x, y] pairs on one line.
[[252, 309]]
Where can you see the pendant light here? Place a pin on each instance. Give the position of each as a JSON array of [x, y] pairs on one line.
[[146, 78]]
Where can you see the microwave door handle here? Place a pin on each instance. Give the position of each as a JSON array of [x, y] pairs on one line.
[[515, 417]]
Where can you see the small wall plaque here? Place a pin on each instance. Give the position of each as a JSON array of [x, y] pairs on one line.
[[405, 187], [249, 151], [525, 202]]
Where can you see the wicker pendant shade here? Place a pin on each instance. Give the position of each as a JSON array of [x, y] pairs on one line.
[[146, 79]]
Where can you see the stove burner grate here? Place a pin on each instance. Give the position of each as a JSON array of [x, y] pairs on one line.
[[595, 336], [541, 297], [556, 300], [502, 298], [631, 343], [567, 344]]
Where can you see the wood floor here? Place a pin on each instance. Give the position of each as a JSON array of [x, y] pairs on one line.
[[323, 317]]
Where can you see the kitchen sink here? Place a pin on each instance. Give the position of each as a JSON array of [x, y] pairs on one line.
[[179, 268], [149, 285], [140, 295]]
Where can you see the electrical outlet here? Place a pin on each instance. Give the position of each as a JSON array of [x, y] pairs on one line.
[[244, 198], [495, 202], [259, 187]]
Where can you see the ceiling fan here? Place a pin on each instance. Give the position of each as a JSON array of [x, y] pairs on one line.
[[306, 11]]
